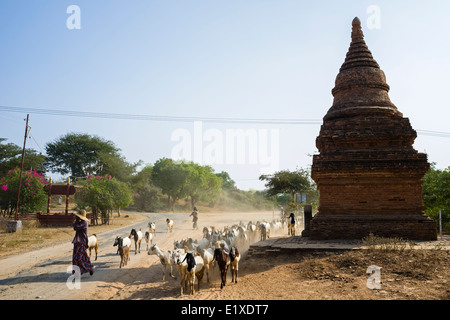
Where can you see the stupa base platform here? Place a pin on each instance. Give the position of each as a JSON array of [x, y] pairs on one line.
[[358, 226]]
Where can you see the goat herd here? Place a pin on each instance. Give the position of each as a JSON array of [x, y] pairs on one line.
[[194, 258]]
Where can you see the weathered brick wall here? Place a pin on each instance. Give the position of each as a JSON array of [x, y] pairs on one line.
[[341, 226]]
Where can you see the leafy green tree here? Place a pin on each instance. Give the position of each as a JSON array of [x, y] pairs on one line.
[[78, 154], [102, 195], [32, 195], [147, 196], [289, 182], [286, 181], [201, 183], [227, 182], [11, 157], [115, 165], [436, 193], [171, 178]]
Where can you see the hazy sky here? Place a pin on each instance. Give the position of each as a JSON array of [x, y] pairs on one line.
[[237, 59]]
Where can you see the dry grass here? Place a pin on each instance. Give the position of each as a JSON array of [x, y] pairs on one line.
[[406, 273], [32, 236]]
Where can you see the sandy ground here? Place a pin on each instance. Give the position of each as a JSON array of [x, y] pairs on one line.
[[42, 274]]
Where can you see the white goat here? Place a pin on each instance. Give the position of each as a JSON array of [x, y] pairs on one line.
[[165, 257], [148, 238], [93, 244], [137, 236], [252, 231], [208, 257], [169, 223], [152, 227]]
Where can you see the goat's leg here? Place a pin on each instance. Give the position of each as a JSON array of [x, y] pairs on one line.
[[232, 274], [183, 283], [191, 283], [96, 252], [171, 274]]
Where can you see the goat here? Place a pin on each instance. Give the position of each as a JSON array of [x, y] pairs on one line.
[[123, 249], [137, 235], [207, 256], [126, 242], [215, 235], [169, 223], [199, 270], [264, 229], [164, 257], [207, 232], [252, 231], [152, 227], [190, 270], [148, 238], [178, 245], [222, 244], [93, 244], [190, 267], [221, 256], [177, 257], [291, 224], [201, 244], [276, 225], [234, 263]]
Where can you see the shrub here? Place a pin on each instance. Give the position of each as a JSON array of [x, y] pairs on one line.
[[32, 195]]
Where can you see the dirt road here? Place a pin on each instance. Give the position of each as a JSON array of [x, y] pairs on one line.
[[44, 273]]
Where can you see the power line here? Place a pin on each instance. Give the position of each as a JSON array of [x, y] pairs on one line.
[[125, 116], [434, 133], [141, 117]]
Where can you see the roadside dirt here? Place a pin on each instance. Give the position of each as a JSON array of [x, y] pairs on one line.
[[302, 276]]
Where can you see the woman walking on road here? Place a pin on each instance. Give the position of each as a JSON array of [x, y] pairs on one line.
[[195, 217], [80, 257]]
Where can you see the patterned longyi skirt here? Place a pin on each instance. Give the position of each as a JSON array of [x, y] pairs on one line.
[[81, 259]]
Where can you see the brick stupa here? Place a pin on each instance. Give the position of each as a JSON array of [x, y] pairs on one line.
[[368, 174]]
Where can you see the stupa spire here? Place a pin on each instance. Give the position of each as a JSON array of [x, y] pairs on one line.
[[356, 29], [360, 83]]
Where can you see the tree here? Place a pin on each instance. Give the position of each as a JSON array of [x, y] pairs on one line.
[[285, 181], [201, 183], [78, 154], [147, 196], [11, 157], [227, 182], [102, 195], [436, 193], [115, 165], [171, 178]]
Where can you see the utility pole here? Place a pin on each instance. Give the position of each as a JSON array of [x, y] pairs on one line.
[[16, 225]]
